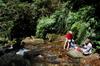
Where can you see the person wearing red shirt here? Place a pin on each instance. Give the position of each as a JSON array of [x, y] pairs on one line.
[[69, 40], [69, 35]]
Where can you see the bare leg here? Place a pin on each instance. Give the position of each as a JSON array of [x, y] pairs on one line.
[[65, 44]]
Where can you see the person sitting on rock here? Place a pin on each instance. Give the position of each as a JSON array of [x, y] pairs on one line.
[[87, 47]]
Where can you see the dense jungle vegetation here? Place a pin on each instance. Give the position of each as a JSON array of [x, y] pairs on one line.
[[22, 18]]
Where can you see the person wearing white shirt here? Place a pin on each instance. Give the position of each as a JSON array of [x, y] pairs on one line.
[[87, 48]]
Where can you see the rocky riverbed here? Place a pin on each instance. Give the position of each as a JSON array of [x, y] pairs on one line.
[[55, 55], [47, 54]]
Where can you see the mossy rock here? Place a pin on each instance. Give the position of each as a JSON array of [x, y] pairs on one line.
[[55, 37], [32, 41]]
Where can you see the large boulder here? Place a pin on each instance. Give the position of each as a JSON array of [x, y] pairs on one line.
[[74, 53], [32, 41]]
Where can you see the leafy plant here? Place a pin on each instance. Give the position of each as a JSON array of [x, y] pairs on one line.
[[96, 46], [56, 23], [44, 23], [80, 22]]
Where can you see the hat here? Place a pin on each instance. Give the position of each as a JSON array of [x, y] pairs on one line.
[[70, 32]]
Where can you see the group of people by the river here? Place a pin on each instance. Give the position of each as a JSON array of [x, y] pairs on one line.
[[70, 43]]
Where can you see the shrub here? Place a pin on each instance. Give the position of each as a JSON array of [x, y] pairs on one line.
[[43, 24]]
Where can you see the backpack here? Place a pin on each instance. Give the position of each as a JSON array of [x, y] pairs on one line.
[[71, 43]]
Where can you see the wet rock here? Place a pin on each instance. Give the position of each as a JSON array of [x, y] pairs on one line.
[[74, 53], [1, 52], [39, 64], [51, 58], [87, 65], [25, 59], [5, 50], [22, 51], [40, 56], [33, 53], [11, 59]]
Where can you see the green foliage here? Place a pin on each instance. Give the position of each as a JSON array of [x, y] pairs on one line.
[[25, 22], [44, 23], [96, 46], [11, 42], [83, 14], [60, 21], [80, 23], [6, 20], [1, 1], [79, 29], [21, 18], [4, 41], [46, 7], [56, 23], [17, 20]]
